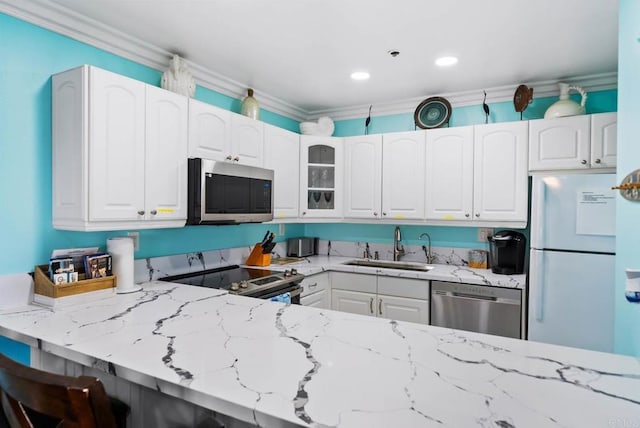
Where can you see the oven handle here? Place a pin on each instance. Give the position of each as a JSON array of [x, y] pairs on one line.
[[293, 291]]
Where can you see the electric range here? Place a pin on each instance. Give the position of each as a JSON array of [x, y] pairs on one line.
[[244, 281]]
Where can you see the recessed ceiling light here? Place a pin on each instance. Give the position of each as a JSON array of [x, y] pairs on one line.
[[360, 75], [446, 61]]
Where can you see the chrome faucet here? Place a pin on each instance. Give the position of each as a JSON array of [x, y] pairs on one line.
[[427, 250], [398, 249]]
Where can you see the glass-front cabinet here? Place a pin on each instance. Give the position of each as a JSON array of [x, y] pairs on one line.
[[321, 163]]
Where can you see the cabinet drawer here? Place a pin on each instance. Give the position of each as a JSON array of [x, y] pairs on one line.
[[314, 283], [403, 287], [353, 281], [318, 299]]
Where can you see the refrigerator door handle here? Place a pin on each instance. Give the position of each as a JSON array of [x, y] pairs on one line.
[[536, 280], [537, 211]]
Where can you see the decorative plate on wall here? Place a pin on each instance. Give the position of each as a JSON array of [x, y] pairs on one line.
[[433, 112]]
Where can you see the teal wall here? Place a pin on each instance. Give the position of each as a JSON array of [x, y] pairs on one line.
[[627, 321], [30, 55]]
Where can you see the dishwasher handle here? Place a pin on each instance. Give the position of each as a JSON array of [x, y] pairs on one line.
[[474, 296]]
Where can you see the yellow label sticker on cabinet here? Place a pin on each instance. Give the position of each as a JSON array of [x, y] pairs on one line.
[[166, 210], [448, 217], [398, 216], [281, 215]]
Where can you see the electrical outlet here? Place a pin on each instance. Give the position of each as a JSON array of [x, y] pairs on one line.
[[281, 229], [484, 233], [136, 239]]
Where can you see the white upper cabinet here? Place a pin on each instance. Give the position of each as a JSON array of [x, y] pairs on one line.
[[166, 155], [604, 137], [119, 153], [247, 140], [403, 175], [209, 131], [221, 135], [500, 178], [321, 182], [449, 174], [363, 177], [282, 154]]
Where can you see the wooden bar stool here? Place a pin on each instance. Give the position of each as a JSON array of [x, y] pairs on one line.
[[34, 398]]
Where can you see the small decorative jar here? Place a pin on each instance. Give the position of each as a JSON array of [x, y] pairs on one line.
[[250, 107]]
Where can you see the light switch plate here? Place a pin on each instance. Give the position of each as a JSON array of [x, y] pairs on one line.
[[484, 233]]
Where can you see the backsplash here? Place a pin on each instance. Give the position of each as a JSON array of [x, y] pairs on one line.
[[153, 268]]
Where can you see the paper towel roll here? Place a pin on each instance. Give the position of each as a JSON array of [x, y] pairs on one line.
[[121, 250]]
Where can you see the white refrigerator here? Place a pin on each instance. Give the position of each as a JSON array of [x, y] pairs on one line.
[[572, 261]]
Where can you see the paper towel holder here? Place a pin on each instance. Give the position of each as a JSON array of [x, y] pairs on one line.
[[121, 249]]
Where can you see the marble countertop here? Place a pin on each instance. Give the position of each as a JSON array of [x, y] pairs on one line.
[[277, 365], [441, 272]]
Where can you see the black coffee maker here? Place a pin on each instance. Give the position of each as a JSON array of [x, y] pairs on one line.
[[507, 249]]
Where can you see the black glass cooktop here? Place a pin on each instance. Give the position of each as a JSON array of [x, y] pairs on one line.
[[221, 277]]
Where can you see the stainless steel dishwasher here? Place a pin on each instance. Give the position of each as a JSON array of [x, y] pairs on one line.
[[483, 309]]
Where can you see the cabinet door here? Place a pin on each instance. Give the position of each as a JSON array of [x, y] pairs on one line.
[[449, 174], [561, 143], [166, 155], [116, 146], [317, 300], [247, 140], [363, 176], [209, 131], [403, 309], [604, 137], [354, 302], [403, 172], [282, 155], [500, 172], [321, 182]]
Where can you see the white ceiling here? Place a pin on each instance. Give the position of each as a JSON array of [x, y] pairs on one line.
[[303, 51]]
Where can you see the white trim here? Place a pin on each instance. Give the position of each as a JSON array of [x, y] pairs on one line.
[[60, 19]]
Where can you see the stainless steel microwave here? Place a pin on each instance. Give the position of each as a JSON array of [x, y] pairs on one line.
[[228, 193]]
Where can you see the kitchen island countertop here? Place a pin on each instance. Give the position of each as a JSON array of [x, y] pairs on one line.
[[277, 365]]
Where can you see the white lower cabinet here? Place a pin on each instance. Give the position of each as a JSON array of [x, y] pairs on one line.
[[354, 302], [401, 299], [403, 309], [315, 291]]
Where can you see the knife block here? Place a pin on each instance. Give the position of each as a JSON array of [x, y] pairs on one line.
[[256, 258]]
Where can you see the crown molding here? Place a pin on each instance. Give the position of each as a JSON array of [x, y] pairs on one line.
[[547, 88], [62, 20]]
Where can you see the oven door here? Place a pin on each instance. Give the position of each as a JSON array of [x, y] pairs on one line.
[[294, 291]]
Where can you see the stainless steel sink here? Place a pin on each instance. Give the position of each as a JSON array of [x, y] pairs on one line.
[[390, 264]]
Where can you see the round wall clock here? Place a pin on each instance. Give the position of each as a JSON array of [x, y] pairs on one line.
[[433, 112]]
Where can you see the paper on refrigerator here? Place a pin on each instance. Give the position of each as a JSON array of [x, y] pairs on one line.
[[596, 212]]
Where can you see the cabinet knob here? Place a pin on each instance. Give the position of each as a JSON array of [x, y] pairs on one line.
[[598, 161], [375, 214], [477, 214], [304, 213], [228, 157], [583, 162], [154, 212], [467, 215], [141, 212], [236, 159], [384, 213]]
